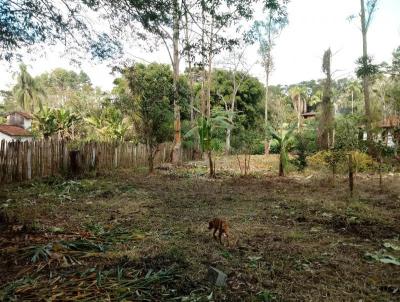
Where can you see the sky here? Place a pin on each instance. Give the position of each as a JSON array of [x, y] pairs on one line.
[[314, 26]]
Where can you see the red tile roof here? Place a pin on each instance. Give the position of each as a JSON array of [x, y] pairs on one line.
[[390, 122], [14, 130], [24, 114]]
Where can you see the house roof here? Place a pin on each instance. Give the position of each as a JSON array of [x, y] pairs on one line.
[[390, 122], [14, 130], [24, 114]]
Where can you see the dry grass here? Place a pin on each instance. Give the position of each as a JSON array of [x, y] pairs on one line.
[[297, 238]]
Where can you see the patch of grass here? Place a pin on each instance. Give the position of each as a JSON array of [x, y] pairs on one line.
[[291, 238]]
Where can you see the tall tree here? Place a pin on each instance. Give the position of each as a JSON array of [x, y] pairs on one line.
[[365, 61], [266, 33], [147, 101], [27, 92], [353, 87], [237, 74], [325, 127], [298, 95]]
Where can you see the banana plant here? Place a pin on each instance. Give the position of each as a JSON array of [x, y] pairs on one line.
[[66, 120], [47, 122], [206, 130], [110, 124], [283, 138]]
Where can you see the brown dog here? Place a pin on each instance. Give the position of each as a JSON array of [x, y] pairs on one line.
[[221, 226]]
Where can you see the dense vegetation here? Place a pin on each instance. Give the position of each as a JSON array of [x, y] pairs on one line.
[[306, 175]]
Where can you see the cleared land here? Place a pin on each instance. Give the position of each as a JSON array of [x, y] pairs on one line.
[[130, 236]]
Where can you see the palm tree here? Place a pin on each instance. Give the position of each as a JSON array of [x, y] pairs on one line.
[[206, 130], [353, 87], [27, 91], [298, 95], [284, 140]]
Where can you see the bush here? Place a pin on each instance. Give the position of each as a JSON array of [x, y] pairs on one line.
[[347, 133], [317, 160], [274, 147], [338, 160], [362, 162], [304, 145]]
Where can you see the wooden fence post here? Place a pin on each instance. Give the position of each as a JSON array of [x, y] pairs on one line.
[[29, 161], [351, 175]]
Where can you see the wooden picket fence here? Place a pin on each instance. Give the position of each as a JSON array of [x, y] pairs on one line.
[[31, 160]]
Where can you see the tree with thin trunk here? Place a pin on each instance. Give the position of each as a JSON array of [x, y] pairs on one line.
[[147, 102], [325, 126], [353, 87], [238, 72], [298, 95], [364, 71], [207, 129], [266, 33], [284, 139]]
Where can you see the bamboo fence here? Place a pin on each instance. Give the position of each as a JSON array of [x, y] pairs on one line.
[[21, 161]]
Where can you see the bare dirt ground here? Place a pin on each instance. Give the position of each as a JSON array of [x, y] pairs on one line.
[[127, 236]]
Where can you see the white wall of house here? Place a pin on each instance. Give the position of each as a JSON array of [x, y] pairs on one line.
[[390, 141], [17, 119], [9, 138], [27, 124]]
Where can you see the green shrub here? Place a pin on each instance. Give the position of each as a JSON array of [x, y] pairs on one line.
[[337, 160], [362, 162]]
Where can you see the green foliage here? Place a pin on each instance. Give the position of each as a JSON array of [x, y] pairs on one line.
[[145, 94], [68, 89], [247, 141], [27, 92], [304, 145], [148, 101], [47, 122], [347, 131], [248, 99], [207, 129], [362, 162], [109, 123], [52, 22], [395, 68], [365, 67], [327, 158], [284, 140], [337, 160], [61, 121]]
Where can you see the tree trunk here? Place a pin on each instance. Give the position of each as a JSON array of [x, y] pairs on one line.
[[281, 169], [211, 164], [228, 142], [150, 158], [351, 175], [189, 61], [298, 112], [203, 66], [210, 57], [325, 127], [365, 79], [266, 147], [266, 143], [352, 102], [176, 152]]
